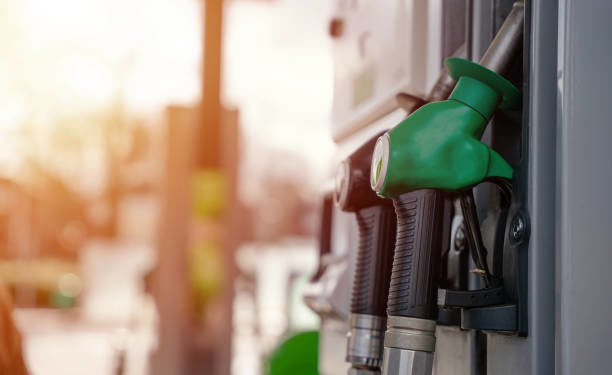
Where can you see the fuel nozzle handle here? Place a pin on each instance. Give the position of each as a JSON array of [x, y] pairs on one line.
[[377, 227], [376, 221], [412, 303], [414, 281]]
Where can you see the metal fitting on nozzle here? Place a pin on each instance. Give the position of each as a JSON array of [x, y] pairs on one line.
[[362, 371], [365, 343], [376, 220], [409, 346]]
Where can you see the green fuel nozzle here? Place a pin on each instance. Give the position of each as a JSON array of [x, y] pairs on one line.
[[438, 146], [435, 150]]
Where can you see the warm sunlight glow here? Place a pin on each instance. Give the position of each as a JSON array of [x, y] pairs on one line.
[[70, 55], [278, 71], [66, 61]]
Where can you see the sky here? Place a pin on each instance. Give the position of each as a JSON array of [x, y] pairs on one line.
[[278, 71], [63, 58], [70, 55]]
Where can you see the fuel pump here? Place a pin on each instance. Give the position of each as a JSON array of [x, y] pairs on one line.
[[433, 155], [376, 220]]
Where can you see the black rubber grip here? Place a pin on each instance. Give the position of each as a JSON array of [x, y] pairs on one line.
[[324, 234], [414, 281], [377, 226]]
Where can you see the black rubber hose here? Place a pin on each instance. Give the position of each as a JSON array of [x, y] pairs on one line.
[[415, 277], [377, 226]]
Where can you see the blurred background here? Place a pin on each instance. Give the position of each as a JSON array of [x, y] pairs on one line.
[[160, 174]]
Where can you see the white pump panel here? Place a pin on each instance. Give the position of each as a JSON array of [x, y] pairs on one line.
[[382, 48]]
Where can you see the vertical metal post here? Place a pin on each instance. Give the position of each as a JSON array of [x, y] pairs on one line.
[[170, 284], [210, 132]]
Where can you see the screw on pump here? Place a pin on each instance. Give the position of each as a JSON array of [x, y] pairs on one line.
[[376, 220]]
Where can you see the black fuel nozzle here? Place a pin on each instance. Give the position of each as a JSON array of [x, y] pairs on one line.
[[376, 220]]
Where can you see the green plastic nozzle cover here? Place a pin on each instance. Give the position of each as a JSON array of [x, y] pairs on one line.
[[297, 355], [438, 146]]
